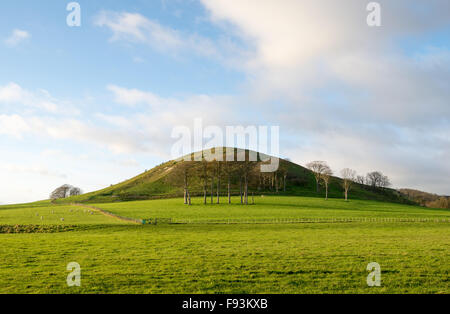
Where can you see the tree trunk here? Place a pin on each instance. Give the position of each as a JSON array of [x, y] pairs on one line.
[[346, 195], [229, 192], [204, 192], [218, 189], [326, 190], [212, 190], [240, 189], [317, 186], [284, 183], [185, 189], [253, 198], [189, 198], [276, 183], [246, 191]]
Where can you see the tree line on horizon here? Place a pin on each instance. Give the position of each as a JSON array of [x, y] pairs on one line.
[[323, 173]]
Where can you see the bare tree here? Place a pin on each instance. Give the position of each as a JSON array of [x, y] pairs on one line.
[[246, 169], [203, 174], [361, 180], [229, 170], [75, 191], [212, 175], [348, 177], [326, 176], [284, 173], [317, 168], [275, 175], [373, 178], [64, 191], [183, 173], [377, 180], [218, 174], [385, 182]]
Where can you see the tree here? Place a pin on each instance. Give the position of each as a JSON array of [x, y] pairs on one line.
[[374, 178], [64, 191], [229, 171], [218, 173], [385, 182], [377, 180], [275, 175], [326, 176], [348, 177], [317, 168], [245, 169], [182, 174], [283, 169], [75, 191], [203, 174], [360, 180]]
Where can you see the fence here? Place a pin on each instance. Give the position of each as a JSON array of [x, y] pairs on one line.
[[306, 220]]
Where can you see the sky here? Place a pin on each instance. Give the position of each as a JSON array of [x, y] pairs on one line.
[[96, 104]]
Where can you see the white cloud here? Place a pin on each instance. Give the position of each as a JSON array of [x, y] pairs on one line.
[[17, 36], [131, 162], [32, 169], [135, 28], [73, 130], [19, 98], [13, 125], [133, 97], [304, 50], [346, 92]]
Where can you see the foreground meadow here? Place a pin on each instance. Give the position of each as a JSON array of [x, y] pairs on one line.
[[119, 257]]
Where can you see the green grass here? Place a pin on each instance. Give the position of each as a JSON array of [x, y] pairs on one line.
[[270, 207], [118, 257], [51, 215]]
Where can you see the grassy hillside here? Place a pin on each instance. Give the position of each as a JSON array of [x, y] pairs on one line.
[[427, 199], [164, 181]]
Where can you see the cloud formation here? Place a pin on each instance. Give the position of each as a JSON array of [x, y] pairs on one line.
[[135, 28], [346, 92], [15, 98], [17, 36]]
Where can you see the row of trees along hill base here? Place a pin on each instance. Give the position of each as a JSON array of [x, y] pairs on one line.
[[323, 174], [212, 174], [244, 178]]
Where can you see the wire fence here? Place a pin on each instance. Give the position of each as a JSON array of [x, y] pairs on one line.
[[292, 220]]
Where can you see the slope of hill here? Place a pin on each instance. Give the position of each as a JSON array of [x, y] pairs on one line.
[[426, 199], [166, 180]]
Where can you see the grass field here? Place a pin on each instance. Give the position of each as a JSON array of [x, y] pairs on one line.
[[120, 257]]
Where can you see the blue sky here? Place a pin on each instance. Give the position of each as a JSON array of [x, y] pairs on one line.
[[94, 105]]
